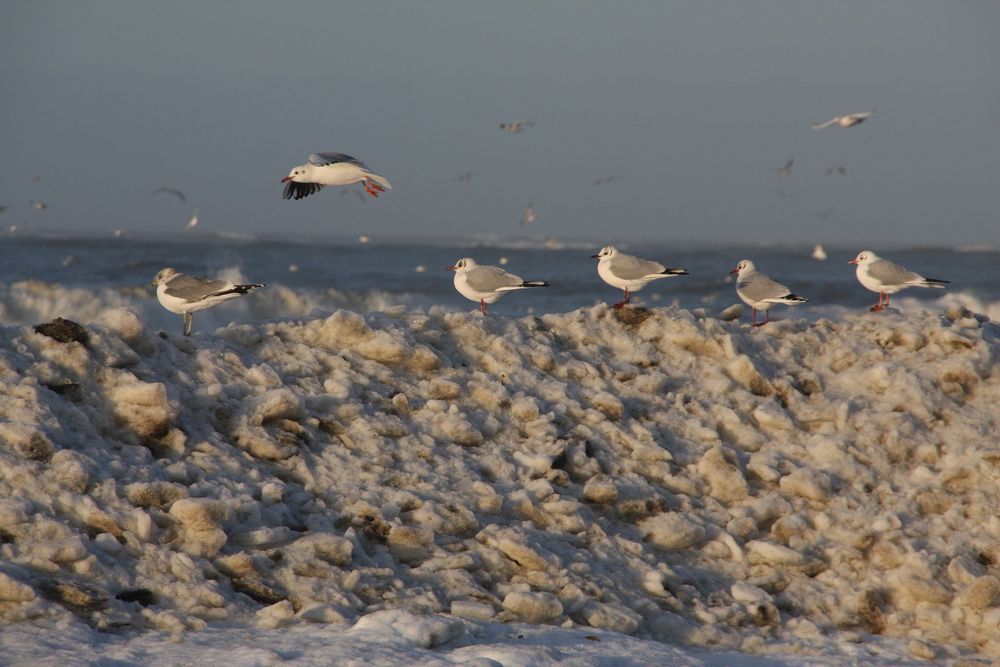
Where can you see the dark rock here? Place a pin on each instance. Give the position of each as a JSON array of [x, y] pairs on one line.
[[63, 331]]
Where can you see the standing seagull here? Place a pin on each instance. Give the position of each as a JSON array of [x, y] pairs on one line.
[[630, 273], [760, 292], [885, 277], [850, 120], [486, 284], [332, 169], [184, 294]]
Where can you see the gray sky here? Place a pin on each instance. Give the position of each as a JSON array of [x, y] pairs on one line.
[[694, 105]]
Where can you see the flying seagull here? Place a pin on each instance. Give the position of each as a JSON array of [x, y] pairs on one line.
[[171, 191], [325, 169], [516, 126], [836, 169], [606, 179], [786, 169], [463, 178], [185, 295], [528, 216], [850, 120]]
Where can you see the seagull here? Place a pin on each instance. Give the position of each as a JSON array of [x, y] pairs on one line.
[[786, 169], [606, 179], [823, 215], [486, 284], [463, 178], [516, 126], [193, 222], [885, 277], [184, 295], [528, 216], [332, 169], [850, 120], [171, 191], [760, 292], [630, 273], [818, 253], [836, 169], [39, 204]]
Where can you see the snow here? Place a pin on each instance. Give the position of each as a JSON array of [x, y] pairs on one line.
[[429, 487]]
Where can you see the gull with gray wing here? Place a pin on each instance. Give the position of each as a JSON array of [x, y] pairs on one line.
[[185, 295], [760, 291], [630, 273], [486, 284], [885, 277], [325, 169]]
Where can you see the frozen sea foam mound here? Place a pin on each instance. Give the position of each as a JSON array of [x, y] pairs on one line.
[[657, 473]]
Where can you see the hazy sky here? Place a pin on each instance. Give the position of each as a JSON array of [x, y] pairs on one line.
[[694, 105]]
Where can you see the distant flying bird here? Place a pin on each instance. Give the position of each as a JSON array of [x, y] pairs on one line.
[[193, 222], [171, 191], [528, 216], [40, 205], [760, 292], [606, 179], [886, 278], [850, 120], [325, 169], [463, 178], [786, 169], [818, 253], [787, 196], [516, 126], [185, 295], [836, 169], [486, 284], [629, 273], [823, 215]]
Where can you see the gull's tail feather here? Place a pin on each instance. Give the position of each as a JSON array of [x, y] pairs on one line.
[[381, 180], [526, 284], [675, 272], [933, 282], [793, 298]]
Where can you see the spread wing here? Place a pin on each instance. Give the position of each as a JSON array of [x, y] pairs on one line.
[[627, 267], [193, 289], [491, 278], [296, 191], [324, 159], [758, 287]]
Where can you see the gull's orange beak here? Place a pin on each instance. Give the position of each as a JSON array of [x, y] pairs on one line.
[[286, 179], [853, 261], [595, 256], [736, 270], [450, 268]]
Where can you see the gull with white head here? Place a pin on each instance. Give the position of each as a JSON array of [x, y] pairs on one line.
[[760, 292], [185, 295], [325, 169], [849, 120], [486, 284], [630, 273], [885, 277]]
